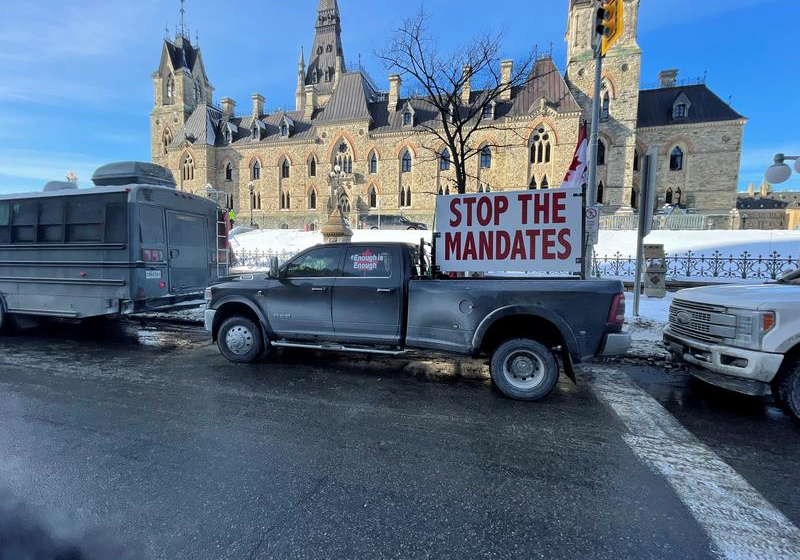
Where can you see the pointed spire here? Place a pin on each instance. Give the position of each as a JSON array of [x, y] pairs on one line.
[[302, 64], [183, 18]]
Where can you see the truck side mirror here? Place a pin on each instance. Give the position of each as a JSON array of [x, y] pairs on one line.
[[274, 267]]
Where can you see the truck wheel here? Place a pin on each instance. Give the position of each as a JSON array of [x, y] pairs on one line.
[[239, 340], [524, 369], [2, 318], [786, 388]]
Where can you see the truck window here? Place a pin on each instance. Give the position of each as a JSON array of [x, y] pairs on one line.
[[318, 263], [368, 262], [151, 225]]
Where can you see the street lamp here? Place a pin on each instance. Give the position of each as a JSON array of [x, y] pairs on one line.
[[251, 186], [779, 171]]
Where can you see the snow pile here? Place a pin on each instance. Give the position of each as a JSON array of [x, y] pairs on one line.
[[646, 329]]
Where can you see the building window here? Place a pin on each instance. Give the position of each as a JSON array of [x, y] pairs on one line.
[[312, 199], [285, 169], [405, 162], [634, 198], [255, 132], [605, 111], [676, 159], [405, 197], [600, 189], [170, 97], [226, 135], [532, 185], [255, 201], [680, 111], [373, 197], [545, 183], [284, 130], [678, 196], [668, 197], [312, 167], [373, 164], [255, 171], [488, 111], [166, 140], [408, 118], [636, 164], [601, 153], [541, 152], [229, 172], [444, 160], [486, 158], [188, 168], [198, 92], [286, 200]]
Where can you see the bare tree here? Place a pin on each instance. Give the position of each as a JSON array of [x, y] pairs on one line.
[[441, 79]]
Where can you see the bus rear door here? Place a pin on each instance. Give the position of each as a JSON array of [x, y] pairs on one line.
[[188, 251]]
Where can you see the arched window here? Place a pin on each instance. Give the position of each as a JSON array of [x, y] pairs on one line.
[[405, 197], [285, 169], [676, 159], [634, 198], [600, 189], [405, 162], [532, 186], [188, 168], [286, 201], [605, 110], [255, 171], [284, 130], [373, 163], [486, 158], [668, 197], [545, 184], [166, 139], [312, 199], [541, 151], [344, 205], [198, 92], [601, 152], [373, 197], [444, 160], [480, 187], [408, 118], [169, 99], [408, 196], [636, 157], [312, 167], [255, 201], [678, 196], [229, 172], [226, 135]]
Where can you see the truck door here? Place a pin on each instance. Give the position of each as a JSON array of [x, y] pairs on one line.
[[188, 251], [368, 297], [299, 307]]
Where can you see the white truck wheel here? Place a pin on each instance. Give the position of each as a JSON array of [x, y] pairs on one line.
[[786, 388]]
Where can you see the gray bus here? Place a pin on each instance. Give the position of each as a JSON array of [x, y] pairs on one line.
[[132, 243]]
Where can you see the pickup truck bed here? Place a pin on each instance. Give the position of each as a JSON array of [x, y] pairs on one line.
[[369, 297]]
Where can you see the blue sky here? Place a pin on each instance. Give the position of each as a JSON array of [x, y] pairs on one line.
[[76, 89]]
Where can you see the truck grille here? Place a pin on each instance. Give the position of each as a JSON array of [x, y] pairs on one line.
[[701, 321]]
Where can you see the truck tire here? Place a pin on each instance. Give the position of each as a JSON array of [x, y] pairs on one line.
[[3, 318], [524, 369], [786, 388], [239, 339]]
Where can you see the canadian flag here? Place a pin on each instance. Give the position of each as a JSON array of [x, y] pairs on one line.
[[576, 176]]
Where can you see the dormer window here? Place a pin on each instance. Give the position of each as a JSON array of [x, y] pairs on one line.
[[284, 130], [488, 111], [681, 107], [226, 135], [408, 118], [680, 111], [285, 127]]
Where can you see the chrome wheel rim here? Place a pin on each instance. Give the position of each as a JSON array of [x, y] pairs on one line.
[[239, 340], [523, 369]]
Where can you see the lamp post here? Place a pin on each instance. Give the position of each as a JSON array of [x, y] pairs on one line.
[[779, 171], [251, 186]]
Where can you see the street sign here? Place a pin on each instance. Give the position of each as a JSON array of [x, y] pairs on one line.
[[592, 225], [521, 231]]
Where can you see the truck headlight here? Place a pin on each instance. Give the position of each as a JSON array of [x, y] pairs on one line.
[[207, 295], [751, 326]]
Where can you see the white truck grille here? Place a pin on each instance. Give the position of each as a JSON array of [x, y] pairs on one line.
[[701, 321]]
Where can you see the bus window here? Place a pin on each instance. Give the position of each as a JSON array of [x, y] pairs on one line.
[[186, 230], [151, 225], [51, 222], [85, 220], [116, 223], [23, 222], [5, 215]]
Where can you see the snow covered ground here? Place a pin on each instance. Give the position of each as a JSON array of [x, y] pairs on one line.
[[756, 242], [646, 329]]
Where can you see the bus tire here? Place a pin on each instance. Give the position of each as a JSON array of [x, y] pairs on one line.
[[240, 340]]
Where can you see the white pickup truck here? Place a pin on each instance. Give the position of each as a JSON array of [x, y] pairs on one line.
[[743, 338]]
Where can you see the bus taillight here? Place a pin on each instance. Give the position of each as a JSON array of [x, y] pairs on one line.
[[152, 255]]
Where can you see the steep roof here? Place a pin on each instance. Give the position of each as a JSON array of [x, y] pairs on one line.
[[773, 201], [655, 106], [543, 82], [181, 53], [349, 99], [201, 127]]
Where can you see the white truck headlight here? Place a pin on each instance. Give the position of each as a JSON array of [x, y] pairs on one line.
[[751, 326], [207, 295]]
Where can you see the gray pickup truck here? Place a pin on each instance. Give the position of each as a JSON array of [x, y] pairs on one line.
[[375, 298]]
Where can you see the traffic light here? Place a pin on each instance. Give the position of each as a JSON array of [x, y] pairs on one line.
[[609, 23]]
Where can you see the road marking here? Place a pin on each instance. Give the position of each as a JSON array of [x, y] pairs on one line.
[[741, 523]]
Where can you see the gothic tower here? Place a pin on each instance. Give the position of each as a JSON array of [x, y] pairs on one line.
[[619, 97], [180, 85], [326, 62]]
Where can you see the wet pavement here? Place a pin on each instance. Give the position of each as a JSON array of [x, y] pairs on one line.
[[145, 432]]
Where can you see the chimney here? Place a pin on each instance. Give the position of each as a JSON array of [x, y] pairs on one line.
[[766, 188], [506, 71], [667, 78], [751, 189], [466, 90], [228, 107], [258, 105], [394, 91], [311, 102], [337, 72]]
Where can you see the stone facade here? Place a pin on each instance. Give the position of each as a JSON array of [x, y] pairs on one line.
[[285, 158], [765, 209]]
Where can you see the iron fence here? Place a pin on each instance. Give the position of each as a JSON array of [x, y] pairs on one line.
[[681, 222], [717, 267]]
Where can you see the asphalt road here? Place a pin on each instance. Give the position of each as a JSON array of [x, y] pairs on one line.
[[145, 435]]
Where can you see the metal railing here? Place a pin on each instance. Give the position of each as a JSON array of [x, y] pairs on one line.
[[631, 222]]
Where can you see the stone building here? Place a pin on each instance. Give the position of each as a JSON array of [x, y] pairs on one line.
[[764, 209], [277, 164]]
